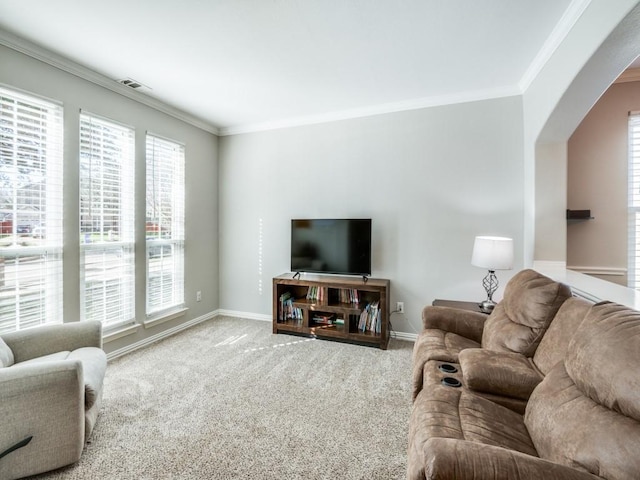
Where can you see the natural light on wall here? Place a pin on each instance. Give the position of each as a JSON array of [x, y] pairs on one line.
[[164, 224], [634, 201], [30, 211], [106, 221]]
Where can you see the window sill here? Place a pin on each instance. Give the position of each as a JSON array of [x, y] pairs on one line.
[[122, 332], [164, 317]]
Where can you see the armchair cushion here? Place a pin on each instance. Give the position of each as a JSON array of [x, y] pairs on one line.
[[45, 358], [94, 367], [6, 355], [501, 373], [36, 342]]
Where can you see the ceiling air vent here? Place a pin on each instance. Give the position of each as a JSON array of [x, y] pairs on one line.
[[130, 82]]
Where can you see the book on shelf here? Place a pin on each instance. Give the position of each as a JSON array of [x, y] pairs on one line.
[[327, 319], [323, 319], [370, 318], [349, 295], [287, 309], [315, 293]]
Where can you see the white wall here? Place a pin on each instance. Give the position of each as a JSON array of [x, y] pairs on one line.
[[431, 180], [604, 40], [201, 260]]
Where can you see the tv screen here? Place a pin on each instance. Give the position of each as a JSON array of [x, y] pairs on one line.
[[340, 246]]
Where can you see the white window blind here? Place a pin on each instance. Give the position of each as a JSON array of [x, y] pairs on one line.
[[107, 263], [633, 276], [164, 224], [30, 211]]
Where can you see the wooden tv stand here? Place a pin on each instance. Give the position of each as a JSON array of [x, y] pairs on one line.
[[332, 308]]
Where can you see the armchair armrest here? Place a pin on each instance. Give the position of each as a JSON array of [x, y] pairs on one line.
[[500, 373], [36, 342], [447, 458], [455, 320], [44, 401]]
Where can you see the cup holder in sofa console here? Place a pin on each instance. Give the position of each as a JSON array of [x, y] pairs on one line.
[[451, 382], [447, 368]]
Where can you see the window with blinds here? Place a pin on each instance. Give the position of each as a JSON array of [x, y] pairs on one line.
[[164, 224], [30, 211], [633, 275], [107, 163]]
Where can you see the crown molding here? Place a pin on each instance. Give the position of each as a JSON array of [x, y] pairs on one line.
[[369, 111], [571, 15], [42, 54]]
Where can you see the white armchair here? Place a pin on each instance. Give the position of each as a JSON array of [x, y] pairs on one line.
[[50, 393]]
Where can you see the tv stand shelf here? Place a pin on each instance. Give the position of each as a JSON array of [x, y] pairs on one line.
[[311, 305]]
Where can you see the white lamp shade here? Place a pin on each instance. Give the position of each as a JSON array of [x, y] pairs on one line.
[[493, 253]]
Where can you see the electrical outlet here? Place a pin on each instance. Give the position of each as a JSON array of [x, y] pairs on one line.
[[198, 296], [400, 307]]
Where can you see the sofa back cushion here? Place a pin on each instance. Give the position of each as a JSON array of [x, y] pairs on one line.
[[604, 358], [6, 355], [555, 341], [586, 412], [519, 321]]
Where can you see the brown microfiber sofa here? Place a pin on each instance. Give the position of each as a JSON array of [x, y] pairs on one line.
[[582, 421], [514, 329]]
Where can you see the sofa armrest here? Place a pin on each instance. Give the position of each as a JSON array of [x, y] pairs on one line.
[[447, 458], [499, 373], [45, 401], [455, 320], [36, 342]]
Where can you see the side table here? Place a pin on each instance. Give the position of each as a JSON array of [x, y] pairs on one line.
[[471, 306]]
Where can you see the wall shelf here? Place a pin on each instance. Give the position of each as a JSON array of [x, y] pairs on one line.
[[579, 215]]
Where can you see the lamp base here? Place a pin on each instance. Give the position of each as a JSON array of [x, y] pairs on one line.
[[487, 306]]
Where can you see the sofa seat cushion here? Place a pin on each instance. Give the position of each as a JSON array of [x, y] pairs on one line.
[[6, 354], [501, 373], [569, 428], [447, 459], [437, 345], [446, 412], [94, 367]]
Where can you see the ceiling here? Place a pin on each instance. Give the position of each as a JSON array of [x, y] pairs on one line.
[[242, 65]]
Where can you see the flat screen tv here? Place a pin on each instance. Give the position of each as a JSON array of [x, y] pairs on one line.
[[337, 246]]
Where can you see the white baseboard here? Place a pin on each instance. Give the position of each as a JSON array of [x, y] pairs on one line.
[[251, 316], [411, 337], [159, 336], [605, 271]]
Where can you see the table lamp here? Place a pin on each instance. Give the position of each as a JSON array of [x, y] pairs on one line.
[[492, 253]]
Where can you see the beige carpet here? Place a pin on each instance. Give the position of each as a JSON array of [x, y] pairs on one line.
[[228, 399]]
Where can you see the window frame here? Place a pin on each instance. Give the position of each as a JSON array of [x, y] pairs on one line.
[[155, 239], [110, 256], [35, 135]]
